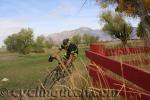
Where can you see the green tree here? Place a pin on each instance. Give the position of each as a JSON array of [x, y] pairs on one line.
[[140, 8], [38, 44], [40, 41], [94, 39], [49, 42], [88, 39], [11, 43], [20, 42], [140, 31], [76, 39], [116, 26]]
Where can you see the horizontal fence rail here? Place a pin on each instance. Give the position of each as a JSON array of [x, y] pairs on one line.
[[138, 62], [127, 91], [129, 72], [117, 51]]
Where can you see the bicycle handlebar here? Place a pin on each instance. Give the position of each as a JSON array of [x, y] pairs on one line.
[[51, 58]]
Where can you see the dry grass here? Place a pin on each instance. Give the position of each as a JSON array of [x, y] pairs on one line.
[[130, 57], [130, 43], [78, 80], [134, 57]]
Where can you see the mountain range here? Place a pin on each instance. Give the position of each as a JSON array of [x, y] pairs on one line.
[[103, 36]]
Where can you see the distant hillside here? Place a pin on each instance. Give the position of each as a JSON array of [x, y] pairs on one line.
[[58, 37]]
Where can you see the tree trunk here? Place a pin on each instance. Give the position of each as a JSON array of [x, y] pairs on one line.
[[124, 42], [146, 25], [145, 19]]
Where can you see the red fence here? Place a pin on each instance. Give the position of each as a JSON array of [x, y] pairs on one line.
[[138, 77], [118, 51], [138, 62]]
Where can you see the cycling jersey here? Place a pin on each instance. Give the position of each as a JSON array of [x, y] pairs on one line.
[[71, 49]]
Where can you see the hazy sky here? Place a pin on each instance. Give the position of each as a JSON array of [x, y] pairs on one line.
[[48, 16]]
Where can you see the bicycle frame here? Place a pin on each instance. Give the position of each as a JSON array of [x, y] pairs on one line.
[[56, 74]]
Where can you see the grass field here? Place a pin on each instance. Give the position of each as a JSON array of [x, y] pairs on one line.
[[25, 71]]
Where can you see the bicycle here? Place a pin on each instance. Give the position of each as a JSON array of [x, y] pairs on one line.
[[57, 73]]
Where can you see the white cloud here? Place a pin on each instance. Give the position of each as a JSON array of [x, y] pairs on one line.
[[64, 16], [9, 23], [8, 27], [63, 9], [56, 19]]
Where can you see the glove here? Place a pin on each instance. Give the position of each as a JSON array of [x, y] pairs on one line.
[[50, 59]]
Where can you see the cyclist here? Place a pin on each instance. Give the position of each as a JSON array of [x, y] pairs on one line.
[[71, 52], [65, 64]]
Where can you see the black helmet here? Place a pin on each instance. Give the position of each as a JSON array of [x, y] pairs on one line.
[[65, 41]]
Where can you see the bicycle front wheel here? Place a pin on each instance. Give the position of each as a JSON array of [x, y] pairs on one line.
[[50, 79]]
